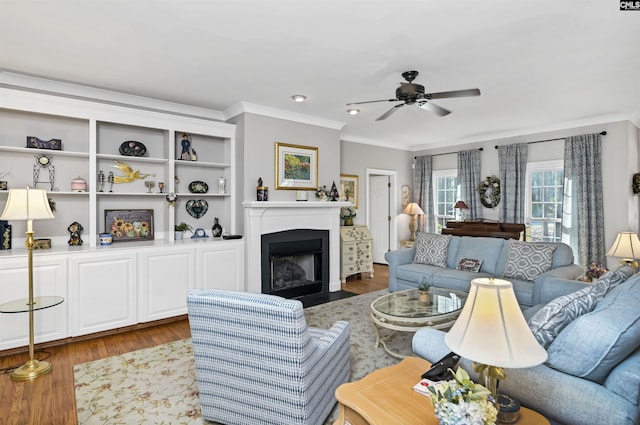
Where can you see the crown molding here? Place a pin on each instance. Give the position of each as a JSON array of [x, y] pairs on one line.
[[42, 85], [585, 122], [252, 108]]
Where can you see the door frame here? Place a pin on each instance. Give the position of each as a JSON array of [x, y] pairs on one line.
[[393, 201]]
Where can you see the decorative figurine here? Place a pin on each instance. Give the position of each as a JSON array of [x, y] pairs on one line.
[[101, 180], [262, 191], [222, 184], [75, 229], [130, 175], [194, 156], [110, 180], [186, 145], [216, 230], [333, 193]]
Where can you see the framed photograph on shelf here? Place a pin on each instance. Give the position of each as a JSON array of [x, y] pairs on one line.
[[129, 225], [349, 189], [296, 167]]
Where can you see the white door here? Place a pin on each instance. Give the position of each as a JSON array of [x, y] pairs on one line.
[[380, 202]]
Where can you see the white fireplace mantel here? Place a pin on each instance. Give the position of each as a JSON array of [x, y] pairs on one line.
[[271, 216]]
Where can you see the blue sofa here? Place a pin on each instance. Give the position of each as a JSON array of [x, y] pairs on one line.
[[405, 272], [592, 375]]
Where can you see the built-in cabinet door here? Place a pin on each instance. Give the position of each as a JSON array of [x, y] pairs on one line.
[[165, 277], [220, 265], [102, 291], [49, 279]]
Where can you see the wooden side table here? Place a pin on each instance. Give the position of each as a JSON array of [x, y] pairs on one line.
[[386, 397]]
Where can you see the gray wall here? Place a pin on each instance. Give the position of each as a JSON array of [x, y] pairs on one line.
[[620, 162], [357, 157]]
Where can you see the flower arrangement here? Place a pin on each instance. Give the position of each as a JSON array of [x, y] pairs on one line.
[[347, 212], [322, 192], [461, 401], [595, 270], [490, 191]]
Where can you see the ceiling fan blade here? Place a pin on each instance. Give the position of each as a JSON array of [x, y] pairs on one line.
[[389, 112], [455, 93], [372, 101], [434, 108]]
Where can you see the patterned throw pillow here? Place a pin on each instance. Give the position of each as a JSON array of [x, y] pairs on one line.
[[551, 319], [469, 265], [526, 260], [432, 248], [611, 279]]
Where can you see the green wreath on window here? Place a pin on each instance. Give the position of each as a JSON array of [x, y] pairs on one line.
[[490, 192]]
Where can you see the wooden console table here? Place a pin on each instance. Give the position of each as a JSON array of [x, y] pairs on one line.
[[386, 397]]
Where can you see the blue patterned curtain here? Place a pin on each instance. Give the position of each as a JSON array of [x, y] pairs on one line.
[[469, 180], [512, 163], [423, 192], [582, 210]]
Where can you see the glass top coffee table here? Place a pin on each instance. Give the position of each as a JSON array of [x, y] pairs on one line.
[[403, 311]]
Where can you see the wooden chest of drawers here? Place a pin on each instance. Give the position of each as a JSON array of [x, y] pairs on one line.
[[356, 251]]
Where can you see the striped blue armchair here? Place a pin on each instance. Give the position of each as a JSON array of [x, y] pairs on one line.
[[258, 363]]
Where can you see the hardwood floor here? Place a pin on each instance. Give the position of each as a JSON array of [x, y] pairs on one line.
[[50, 399]]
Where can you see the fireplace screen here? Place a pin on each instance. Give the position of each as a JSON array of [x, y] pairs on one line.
[[295, 263]]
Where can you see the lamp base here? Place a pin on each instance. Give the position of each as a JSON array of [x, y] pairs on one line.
[[31, 370]]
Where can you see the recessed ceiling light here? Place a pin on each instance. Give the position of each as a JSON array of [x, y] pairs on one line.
[[353, 111], [299, 98]]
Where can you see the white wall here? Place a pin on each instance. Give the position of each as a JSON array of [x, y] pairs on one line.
[[620, 160]]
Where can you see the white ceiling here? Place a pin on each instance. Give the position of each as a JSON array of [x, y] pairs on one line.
[[540, 64]]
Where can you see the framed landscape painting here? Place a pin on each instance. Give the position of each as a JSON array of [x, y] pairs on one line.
[[129, 225], [296, 167], [349, 189]]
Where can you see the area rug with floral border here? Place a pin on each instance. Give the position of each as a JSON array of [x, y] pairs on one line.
[[157, 385]]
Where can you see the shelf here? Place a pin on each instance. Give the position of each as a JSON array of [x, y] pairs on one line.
[[180, 162], [193, 195], [39, 303], [123, 158], [44, 151], [131, 194]]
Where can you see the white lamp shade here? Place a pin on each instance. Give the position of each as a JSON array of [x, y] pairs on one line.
[[27, 204], [492, 330], [626, 245], [413, 209]]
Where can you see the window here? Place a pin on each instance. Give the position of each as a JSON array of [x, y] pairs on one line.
[[543, 207], [446, 192]]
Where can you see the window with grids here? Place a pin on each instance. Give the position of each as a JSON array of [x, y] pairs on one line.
[[446, 192], [545, 181]]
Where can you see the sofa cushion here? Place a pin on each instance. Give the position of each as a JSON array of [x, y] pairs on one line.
[[593, 344], [526, 260], [469, 265], [550, 320], [486, 249], [431, 248]]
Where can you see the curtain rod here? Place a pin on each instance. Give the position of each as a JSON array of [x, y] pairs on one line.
[[602, 133], [447, 153]]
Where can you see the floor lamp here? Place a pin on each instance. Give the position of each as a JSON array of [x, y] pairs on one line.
[[413, 210], [29, 204], [492, 332]]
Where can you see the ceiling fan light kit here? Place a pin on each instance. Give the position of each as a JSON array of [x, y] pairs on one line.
[[410, 93]]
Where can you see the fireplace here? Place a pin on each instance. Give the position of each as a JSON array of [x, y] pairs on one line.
[[295, 263]]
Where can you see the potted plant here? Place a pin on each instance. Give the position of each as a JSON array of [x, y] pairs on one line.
[[423, 289], [180, 229]]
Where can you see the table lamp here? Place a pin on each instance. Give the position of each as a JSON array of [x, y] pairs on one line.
[[461, 206], [627, 247], [492, 332], [413, 210], [29, 204]]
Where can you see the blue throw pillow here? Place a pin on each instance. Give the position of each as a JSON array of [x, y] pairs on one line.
[[593, 344]]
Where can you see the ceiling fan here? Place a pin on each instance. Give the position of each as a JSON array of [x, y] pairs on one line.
[[410, 93]]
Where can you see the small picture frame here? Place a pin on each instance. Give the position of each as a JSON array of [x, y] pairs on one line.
[[129, 225], [296, 167], [349, 188]]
